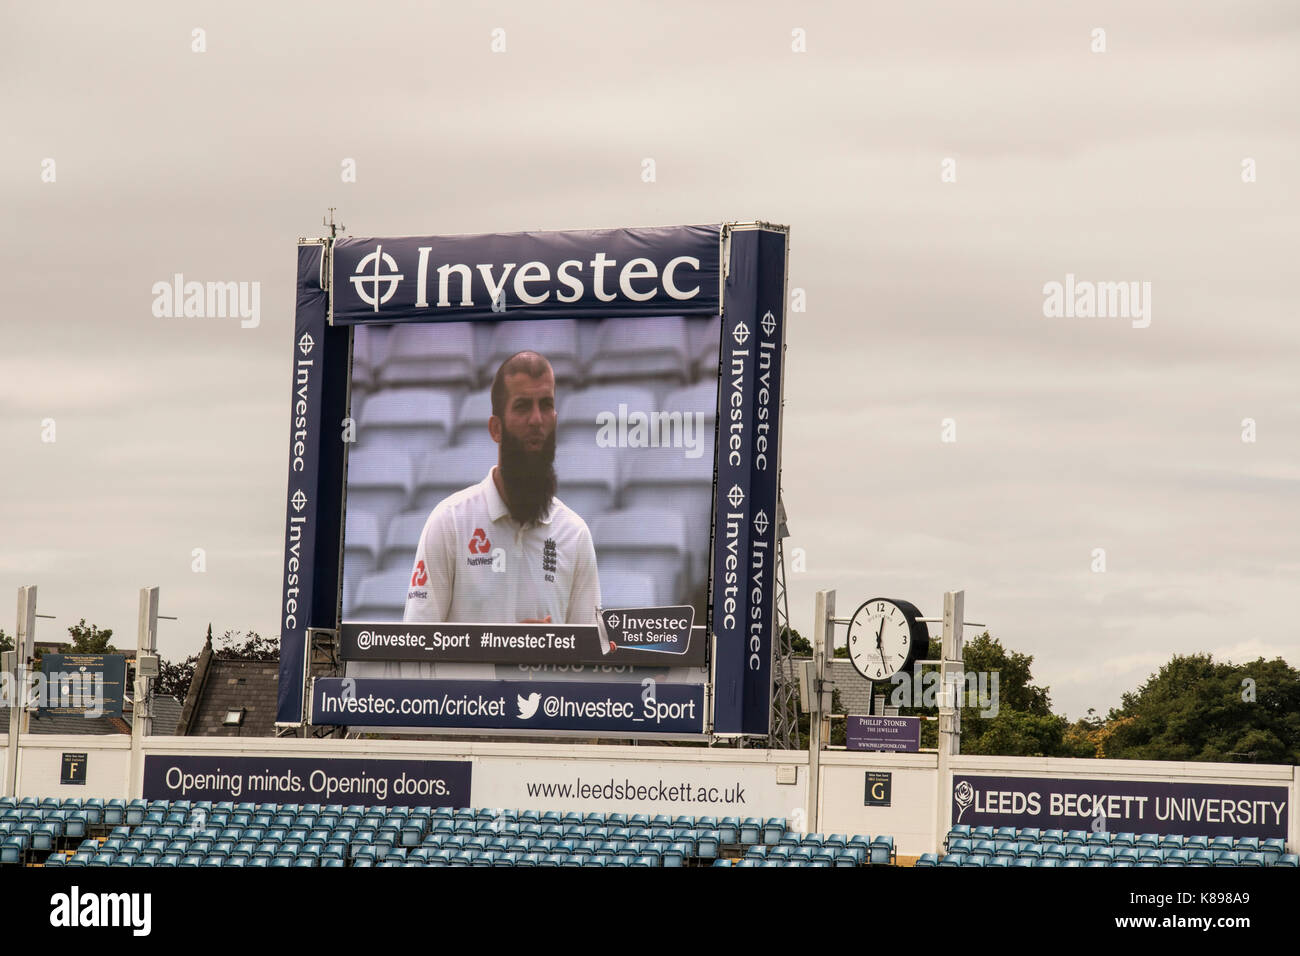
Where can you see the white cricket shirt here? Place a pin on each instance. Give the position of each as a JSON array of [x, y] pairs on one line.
[[475, 565]]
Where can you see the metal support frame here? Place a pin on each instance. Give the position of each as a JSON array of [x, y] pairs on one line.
[[823, 648], [24, 648], [146, 644], [785, 688], [954, 607]]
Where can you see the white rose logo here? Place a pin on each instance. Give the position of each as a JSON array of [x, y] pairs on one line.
[[964, 794]]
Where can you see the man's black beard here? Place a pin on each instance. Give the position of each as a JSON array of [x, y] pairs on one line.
[[528, 476]]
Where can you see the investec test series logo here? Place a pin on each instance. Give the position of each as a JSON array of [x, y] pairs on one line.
[[377, 276]]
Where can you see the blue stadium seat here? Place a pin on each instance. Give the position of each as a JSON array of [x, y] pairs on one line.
[[882, 850]]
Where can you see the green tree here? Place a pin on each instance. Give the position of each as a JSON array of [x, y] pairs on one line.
[[88, 639], [800, 646], [6, 642], [1196, 708]]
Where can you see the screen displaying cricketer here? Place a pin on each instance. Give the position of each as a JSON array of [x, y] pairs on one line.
[[547, 428]]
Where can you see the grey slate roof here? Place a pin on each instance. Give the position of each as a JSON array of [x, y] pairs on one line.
[[166, 715]]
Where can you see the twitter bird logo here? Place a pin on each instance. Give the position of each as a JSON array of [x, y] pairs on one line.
[[527, 705]]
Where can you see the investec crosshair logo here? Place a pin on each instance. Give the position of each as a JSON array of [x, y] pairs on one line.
[[378, 275], [732, 522], [382, 284]]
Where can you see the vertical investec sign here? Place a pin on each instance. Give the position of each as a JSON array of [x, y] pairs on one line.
[[304, 467], [764, 481], [748, 479]]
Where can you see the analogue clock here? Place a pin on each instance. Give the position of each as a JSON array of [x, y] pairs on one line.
[[885, 636]]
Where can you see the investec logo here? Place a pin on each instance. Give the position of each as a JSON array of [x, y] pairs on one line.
[[736, 394], [378, 275], [757, 562], [298, 501], [733, 519], [763, 423]]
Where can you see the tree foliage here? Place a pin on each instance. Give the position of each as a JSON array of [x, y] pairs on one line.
[[1196, 708], [89, 639]]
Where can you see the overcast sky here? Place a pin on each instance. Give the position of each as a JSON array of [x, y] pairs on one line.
[[925, 298]]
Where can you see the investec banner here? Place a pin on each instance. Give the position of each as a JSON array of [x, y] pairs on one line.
[[1136, 806], [389, 783], [648, 707], [313, 506], [743, 602], [518, 643], [604, 273]]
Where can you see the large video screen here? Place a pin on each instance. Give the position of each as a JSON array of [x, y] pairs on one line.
[[548, 527], [529, 471]]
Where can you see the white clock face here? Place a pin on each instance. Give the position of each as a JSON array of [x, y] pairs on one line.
[[880, 639]]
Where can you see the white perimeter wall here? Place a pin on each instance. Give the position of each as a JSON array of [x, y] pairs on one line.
[[677, 780]]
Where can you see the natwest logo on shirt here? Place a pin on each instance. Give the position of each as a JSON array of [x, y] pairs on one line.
[[479, 544], [420, 576]]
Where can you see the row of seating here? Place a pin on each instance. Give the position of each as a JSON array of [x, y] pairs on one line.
[[469, 353], [434, 419], [958, 834], [248, 835], [145, 838], [396, 857], [131, 813], [1224, 858], [988, 848], [856, 851]]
